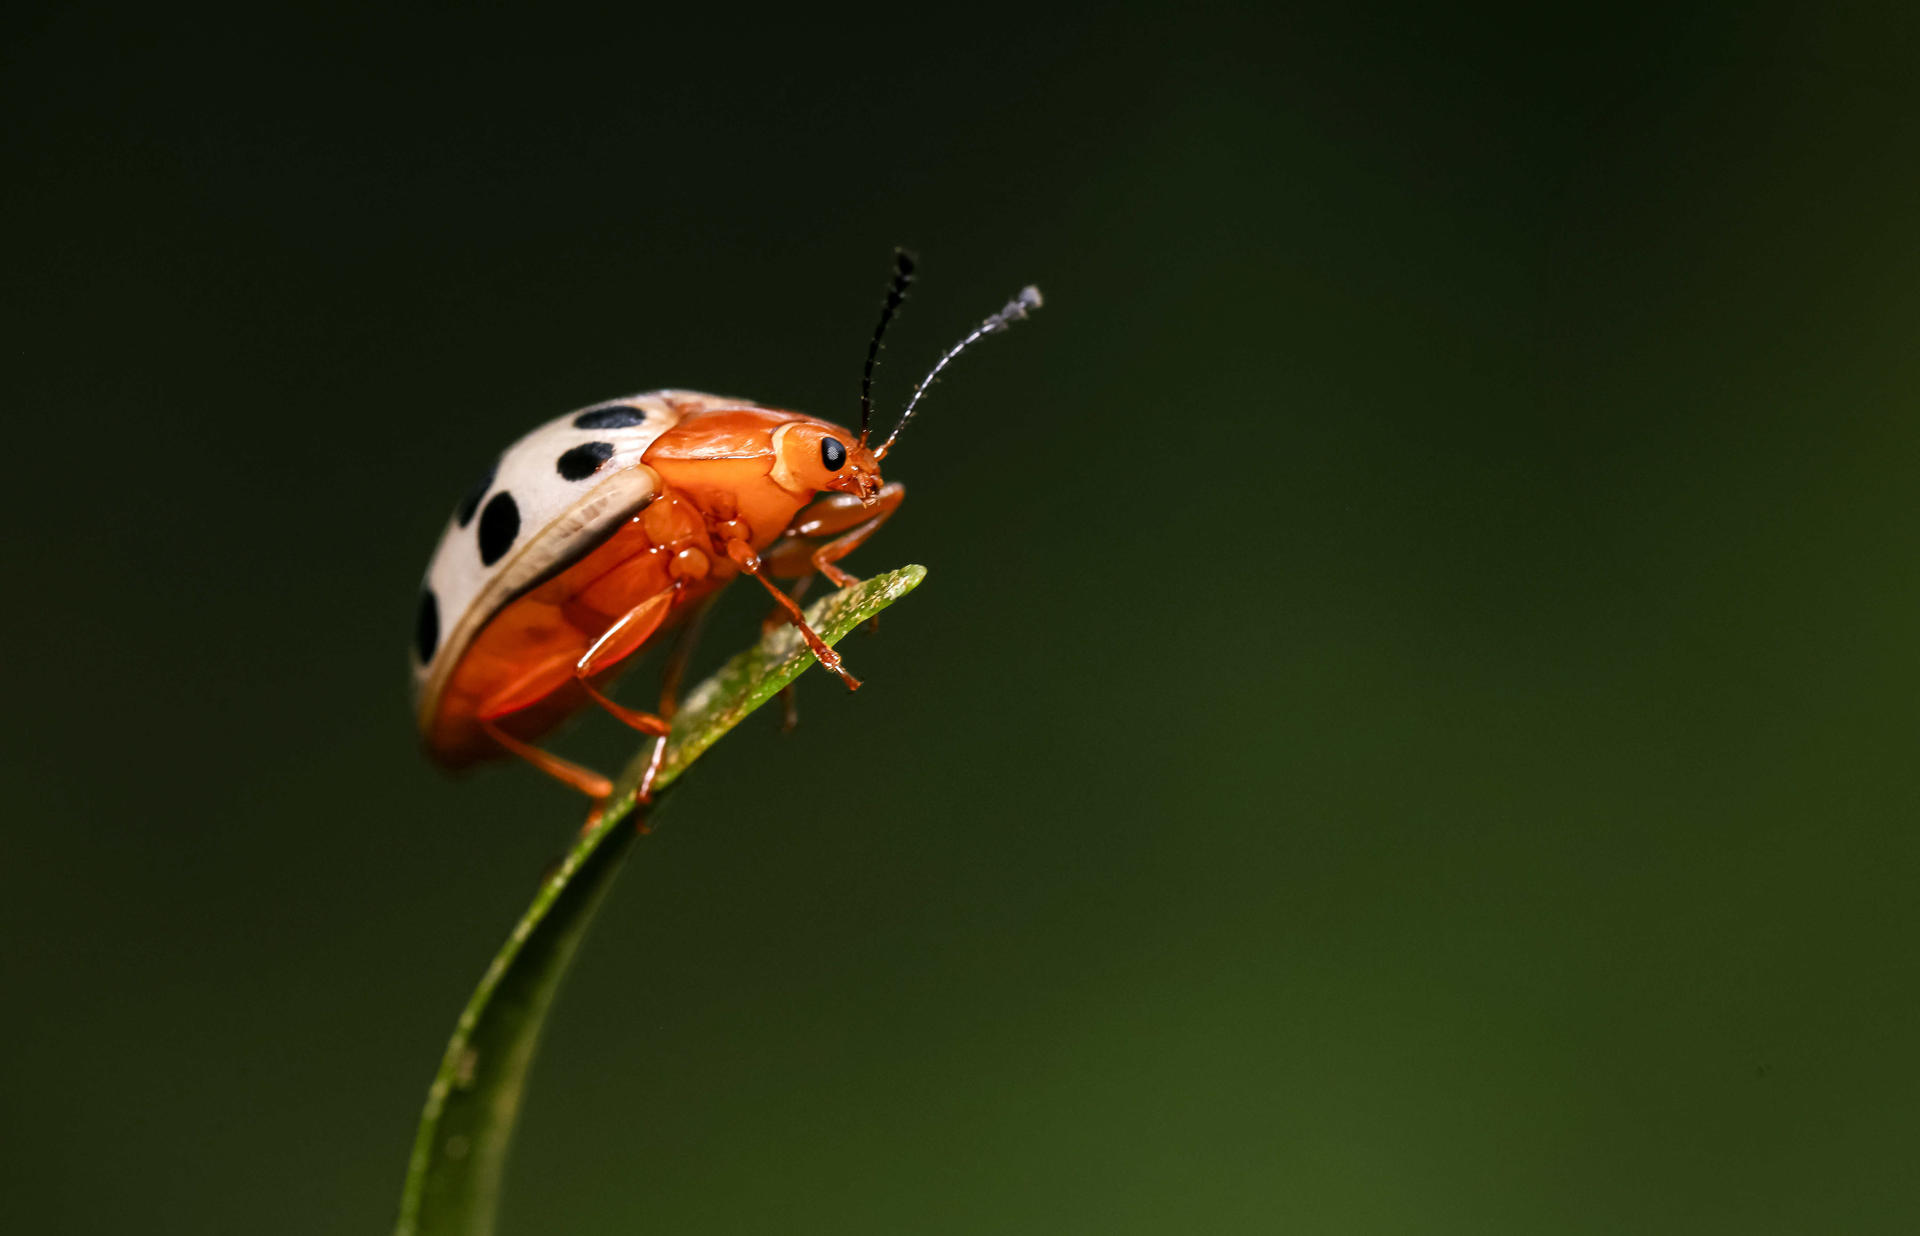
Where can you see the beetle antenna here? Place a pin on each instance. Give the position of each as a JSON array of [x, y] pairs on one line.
[[896, 293], [1015, 310]]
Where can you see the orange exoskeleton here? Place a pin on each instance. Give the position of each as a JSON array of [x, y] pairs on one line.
[[604, 527]]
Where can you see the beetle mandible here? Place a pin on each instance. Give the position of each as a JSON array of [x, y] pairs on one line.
[[602, 528]]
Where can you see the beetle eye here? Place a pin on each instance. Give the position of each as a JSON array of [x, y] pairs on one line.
[[832, 454]]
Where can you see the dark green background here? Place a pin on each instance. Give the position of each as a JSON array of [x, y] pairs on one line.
[[1410, 727]]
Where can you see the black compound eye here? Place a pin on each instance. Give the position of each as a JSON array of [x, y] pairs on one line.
[[832, 454]]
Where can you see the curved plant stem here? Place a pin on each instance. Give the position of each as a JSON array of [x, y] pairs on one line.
[[460, 1151]]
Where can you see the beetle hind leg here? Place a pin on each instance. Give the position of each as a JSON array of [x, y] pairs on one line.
[[561, 769]]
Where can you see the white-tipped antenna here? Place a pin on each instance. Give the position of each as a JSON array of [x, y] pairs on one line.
[[1015, 310]]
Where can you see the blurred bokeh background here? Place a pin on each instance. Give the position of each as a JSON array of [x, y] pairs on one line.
[[1410, 726]]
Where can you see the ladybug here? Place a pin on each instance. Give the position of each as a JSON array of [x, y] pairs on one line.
[[605, 527]]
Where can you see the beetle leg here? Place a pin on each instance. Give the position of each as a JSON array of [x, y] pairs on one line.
[[790, 557], [777, 616], [622, 640], [831, 515], [529, 688], [565, 771], [837, 512], [646, 723], [826, 555], [748, 561], [619, 641]]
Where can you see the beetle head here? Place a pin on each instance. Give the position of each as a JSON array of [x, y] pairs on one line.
[[812, 455]]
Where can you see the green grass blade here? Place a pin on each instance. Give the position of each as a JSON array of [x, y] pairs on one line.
[[460, 1151]]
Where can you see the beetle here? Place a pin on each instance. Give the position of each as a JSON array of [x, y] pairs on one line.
[[603, 528]]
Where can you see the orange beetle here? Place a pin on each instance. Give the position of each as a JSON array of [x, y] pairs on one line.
[[600, 529]]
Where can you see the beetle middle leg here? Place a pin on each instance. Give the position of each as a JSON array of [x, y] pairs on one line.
[[747, 560], [620, 641]]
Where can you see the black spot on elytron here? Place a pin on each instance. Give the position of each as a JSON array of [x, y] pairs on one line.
[[499, 525], [619, 416], [471, 503], [833, 454], [584, 460], [426, 626]]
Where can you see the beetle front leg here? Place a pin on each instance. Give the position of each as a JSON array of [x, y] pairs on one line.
[[843, 514], [824, 557]]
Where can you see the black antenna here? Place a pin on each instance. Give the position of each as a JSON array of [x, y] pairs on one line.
[[1015, 310], [896, 293]]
